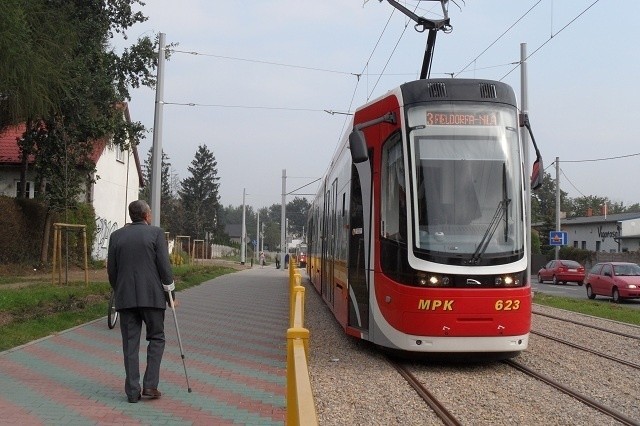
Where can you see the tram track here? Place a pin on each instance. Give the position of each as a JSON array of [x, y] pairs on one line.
[[594, 327], [438, 408], [589, 350], [449, 419], [611, 412]]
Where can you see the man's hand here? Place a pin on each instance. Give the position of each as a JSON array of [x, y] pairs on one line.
[[170, 293]]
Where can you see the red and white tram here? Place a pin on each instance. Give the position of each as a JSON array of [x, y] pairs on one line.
[[417, 238]]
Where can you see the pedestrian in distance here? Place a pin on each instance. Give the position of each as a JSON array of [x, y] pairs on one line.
[[262, 260], [278, 260], [140, 274]]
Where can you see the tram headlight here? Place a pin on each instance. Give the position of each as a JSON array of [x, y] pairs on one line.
[[508, 281], [432, 280]]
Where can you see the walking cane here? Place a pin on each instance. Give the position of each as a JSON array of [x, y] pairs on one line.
[[168, 289]]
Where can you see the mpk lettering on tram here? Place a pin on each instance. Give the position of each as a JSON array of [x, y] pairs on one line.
[[436, 304]]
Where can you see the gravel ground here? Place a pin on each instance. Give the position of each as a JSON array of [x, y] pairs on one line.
[[354, 384]]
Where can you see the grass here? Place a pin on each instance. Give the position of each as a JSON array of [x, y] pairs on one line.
[[38, 310], [601, 309]]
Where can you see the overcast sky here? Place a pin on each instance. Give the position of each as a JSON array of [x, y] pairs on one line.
[[266, 70]]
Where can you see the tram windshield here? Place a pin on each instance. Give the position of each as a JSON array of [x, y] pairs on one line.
[[466, 183]]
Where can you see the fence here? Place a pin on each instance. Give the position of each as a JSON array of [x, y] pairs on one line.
[[300, 405]]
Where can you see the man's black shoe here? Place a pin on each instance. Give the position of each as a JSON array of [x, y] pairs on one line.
[[134, 399], [152, 393]]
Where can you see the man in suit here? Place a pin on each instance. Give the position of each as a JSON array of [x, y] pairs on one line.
[[141, 277]]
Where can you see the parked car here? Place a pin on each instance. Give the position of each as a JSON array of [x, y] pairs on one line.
[[562, 272], [618, 280]]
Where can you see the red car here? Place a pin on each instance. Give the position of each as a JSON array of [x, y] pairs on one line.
[[562, 272], [618, 280]]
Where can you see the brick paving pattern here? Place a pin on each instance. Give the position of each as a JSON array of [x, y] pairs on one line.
[[233, 332]]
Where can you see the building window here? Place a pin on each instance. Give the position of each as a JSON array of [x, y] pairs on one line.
[[30, 189], [575, 244], [584, 245], [597, 245], [119, 154]]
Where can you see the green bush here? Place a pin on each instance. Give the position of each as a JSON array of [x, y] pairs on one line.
[[22, 224], [82, 214], [572, 253]]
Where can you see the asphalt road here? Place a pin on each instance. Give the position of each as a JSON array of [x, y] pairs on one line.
[[575, 291]]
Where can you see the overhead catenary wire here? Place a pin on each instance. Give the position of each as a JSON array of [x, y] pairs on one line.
[[552, 36], [193, 104], [499, 37], [571, 183]]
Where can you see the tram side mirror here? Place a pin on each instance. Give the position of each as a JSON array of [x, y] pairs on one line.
[[537, 174], [358, 146]]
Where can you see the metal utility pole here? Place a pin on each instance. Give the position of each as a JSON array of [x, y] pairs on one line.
[[557, 203], [282, 216], [524, 105], [257, 236], [243, 233], [156, 152]]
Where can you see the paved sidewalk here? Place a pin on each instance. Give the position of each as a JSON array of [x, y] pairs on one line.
[[233, 331]]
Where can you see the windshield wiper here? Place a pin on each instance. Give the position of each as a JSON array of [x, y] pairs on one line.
[[506, 199], [501, 211]]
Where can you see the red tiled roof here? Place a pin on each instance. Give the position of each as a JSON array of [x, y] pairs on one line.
[[9, 150]]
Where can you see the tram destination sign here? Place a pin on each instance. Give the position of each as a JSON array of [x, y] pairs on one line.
[[448, 118]]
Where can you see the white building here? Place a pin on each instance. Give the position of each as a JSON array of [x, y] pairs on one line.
[[118, 178], [612, 233]]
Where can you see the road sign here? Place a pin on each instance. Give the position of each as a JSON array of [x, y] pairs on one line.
[[558, 238]]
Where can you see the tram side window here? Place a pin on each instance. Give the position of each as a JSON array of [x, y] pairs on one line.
[[393, 196]]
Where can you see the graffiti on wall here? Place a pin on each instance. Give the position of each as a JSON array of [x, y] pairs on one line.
[[104, 228]]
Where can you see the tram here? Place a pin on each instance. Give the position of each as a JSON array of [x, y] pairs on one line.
[[417, 237]]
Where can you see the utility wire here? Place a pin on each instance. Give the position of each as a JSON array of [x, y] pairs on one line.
[[601, 159], [264, 62], [193, 104], [355, 89], [571, 183], [499, 37], [552, 37]]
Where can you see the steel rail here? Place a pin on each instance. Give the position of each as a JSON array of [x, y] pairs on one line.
[[443, 414], [622, 418], [617, 333], [585, 349]]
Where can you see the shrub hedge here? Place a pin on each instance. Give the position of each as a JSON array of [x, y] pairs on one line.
[[23, 224]]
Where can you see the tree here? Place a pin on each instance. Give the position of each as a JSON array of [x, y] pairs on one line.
[[581, 206], [543, 200], [36, 44], [165, 177], [199, 194], [88, 82], [297, 211], [171, 209]]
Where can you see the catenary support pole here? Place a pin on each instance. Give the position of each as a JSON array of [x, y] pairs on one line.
[[243, 233], [557, 248], [283, 243], [156, 152], [525, 149]]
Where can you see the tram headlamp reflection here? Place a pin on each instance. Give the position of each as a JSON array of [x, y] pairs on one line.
[[507, 281], [432, 280]]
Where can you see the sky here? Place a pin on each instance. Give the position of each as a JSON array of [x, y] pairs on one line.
[[262, 73]]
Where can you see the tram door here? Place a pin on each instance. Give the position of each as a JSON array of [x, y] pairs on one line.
[[327, 252], [359, 294], [331, 217]]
